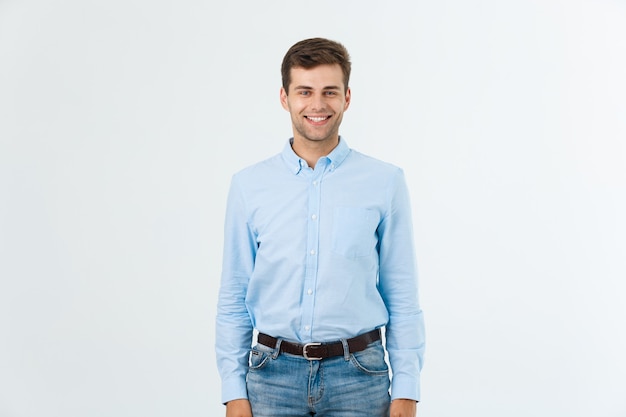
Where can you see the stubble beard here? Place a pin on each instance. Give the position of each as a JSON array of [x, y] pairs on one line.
[[309, 134]]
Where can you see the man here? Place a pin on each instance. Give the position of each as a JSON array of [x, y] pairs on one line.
[[318, 258]]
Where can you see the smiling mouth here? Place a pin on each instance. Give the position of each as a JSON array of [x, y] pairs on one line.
[[317, 119]]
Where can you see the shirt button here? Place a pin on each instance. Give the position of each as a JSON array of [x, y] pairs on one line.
[[314, 216], [312, 252], [307, 328], [314, 182], [309, 291]]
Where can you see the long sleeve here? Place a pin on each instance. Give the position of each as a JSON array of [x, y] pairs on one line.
[[233, 324], [405, 337]]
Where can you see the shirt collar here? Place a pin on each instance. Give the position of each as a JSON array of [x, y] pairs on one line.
[[335, 157]]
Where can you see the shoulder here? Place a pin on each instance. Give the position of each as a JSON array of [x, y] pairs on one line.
[[375, 165], [258, 170]]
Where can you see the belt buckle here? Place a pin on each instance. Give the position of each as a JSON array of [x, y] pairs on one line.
[[304, 353]]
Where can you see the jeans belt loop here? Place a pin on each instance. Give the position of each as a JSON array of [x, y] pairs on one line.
[[277, 348], [346, 349]]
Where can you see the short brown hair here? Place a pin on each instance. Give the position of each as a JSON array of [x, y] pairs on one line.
[[312, 52]]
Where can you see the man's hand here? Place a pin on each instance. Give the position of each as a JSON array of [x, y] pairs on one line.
[[238, 408], [403, 408]]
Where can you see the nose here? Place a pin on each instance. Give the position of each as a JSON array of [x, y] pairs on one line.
[[317, 102]]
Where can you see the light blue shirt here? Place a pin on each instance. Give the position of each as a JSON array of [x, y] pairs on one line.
[[317, 255]]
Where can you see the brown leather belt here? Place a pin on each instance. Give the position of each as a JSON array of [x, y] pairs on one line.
[[319, 351]]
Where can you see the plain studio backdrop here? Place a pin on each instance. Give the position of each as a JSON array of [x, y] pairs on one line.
[[121, 123]]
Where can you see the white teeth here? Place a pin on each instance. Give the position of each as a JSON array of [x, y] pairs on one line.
[[317, 119]]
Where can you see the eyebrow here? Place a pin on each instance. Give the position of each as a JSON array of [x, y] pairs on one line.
[[306, 87]]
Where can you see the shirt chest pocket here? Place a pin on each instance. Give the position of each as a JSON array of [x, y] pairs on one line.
[[354, 231]]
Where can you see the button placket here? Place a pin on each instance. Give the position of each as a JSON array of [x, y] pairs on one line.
[[313, 230]]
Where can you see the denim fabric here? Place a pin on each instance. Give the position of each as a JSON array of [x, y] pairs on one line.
[[353, 385]]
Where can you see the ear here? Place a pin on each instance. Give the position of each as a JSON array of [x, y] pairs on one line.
[[283, 99], [348, 98]]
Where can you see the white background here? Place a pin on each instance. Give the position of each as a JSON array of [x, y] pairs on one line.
[[121, 123]]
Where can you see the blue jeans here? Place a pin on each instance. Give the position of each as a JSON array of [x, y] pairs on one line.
[[352, 385]]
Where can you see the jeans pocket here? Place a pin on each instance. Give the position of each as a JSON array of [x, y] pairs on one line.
[[371, 360], [258, 359]]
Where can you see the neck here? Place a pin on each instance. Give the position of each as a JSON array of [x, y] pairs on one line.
[[312, 151]]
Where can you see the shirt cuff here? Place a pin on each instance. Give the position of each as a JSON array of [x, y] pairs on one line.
[[403, 386], [234, 389]]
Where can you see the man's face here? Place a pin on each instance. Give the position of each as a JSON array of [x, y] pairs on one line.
[[316, 101]]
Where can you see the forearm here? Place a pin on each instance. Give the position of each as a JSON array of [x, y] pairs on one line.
[[233, 340], [238, 408], [405, 345], [403, 408]]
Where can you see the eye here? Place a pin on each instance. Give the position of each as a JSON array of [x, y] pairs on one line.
[[304, 93], [331, 93]]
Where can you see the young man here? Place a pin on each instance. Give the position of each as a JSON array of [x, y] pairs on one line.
[[318, 258]]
